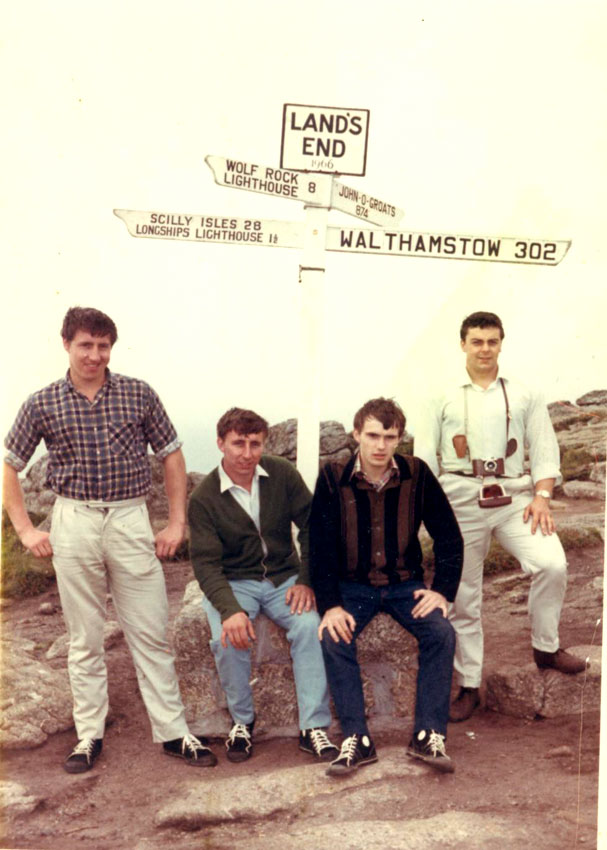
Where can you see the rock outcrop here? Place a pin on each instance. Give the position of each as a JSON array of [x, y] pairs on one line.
[[387, 655], [36, 699]]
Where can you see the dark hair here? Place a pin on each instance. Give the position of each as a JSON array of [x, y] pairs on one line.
[[241, 421], [388, 412], [88, 319], [481, 320]]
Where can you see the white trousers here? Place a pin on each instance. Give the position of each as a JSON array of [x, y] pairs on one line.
[[540, 556], [95, 549]]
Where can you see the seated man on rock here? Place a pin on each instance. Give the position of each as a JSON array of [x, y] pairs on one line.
[[244, 558], [365, 557]]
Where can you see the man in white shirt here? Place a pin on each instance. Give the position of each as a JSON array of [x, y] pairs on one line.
[[480, 428]]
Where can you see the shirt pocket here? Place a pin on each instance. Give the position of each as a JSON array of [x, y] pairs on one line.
[[125, 438]]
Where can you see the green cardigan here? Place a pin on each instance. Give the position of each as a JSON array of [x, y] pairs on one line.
[[226, 546]]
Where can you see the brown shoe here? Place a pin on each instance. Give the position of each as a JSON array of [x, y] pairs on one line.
[[559, 660], [464, 704]]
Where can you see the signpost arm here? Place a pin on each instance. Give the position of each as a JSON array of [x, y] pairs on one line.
[[311, 279]]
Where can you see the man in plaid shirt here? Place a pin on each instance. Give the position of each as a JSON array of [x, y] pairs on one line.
[[97, 425]]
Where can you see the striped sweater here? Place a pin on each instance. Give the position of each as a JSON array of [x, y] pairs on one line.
[[361, 535]]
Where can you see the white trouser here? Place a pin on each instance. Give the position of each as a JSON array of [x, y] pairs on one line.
[[96, 548], [540, 556]]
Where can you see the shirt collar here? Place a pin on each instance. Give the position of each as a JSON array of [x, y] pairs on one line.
[[111, 379], [226, 483], [358, 470], [466, 380]]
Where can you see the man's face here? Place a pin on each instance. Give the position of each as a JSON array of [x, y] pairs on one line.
[[89, 356], [482, 347], [377, 445], [241, 454]]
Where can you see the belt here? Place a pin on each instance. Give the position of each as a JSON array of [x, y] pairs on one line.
[[472, 475]]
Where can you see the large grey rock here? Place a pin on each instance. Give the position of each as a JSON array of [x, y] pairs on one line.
[[597, 473], [529, 692], [456, 830], [16, 800], [593, 397], [334, 442], [37, 700], [583, 490], [386, 652], [282, 790], [112, 633]]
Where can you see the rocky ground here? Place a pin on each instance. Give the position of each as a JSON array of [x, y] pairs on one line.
[[518, 783]]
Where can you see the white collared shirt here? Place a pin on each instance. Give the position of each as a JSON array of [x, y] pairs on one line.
[[248, 501], [444, 417]]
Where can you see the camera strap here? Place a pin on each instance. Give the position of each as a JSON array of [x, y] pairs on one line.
[[511, 445]]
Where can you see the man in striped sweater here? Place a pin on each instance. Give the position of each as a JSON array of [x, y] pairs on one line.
[[365, 557]]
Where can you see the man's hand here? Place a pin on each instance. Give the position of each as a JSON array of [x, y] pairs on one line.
[[339, 623], [238, 629], [428, 601], [300, 598], [539, 511], [37, 542], [169, 539]]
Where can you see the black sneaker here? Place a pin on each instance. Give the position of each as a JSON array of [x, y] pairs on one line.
[[356, 751], [316, 742], [239, 743], [430, 747], [83, 756], [192, 750]]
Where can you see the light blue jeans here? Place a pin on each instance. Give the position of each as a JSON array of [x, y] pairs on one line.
[[234, 665]]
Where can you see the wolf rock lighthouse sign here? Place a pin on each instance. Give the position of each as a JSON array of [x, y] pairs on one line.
[[317, 145]]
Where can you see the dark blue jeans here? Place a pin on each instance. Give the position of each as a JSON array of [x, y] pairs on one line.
[[436, 640]]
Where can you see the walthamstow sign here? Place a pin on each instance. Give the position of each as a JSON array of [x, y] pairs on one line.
[[319, 144]]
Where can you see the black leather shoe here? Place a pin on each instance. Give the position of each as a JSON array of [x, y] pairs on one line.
[[464, 704], [559, 660]]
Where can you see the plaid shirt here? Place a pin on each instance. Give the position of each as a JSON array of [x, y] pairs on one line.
[[391, 472], [97, 450]]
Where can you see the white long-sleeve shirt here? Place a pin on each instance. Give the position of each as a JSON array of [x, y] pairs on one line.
[[444, 417]]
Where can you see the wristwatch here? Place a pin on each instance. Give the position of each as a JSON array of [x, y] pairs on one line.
[[546, 494]]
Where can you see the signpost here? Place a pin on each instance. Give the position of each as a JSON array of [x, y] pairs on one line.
[[364, 206], [324, 139], [327, 141]]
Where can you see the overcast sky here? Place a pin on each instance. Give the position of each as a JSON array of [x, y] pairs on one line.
[[485, 119]]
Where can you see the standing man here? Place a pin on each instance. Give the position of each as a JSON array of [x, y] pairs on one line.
[[244, 558], [97, 425], [480, 427], [366, 558]]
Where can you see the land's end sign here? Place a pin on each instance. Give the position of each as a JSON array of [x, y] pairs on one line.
[[324, 138]]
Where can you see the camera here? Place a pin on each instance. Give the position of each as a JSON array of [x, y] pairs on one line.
[[491, 466]]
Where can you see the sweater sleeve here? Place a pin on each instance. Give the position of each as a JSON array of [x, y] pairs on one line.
[[441, 524], [300, 499], [325, 542], [205, 553]]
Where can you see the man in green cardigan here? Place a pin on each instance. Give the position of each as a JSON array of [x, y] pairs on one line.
[[243, 555]]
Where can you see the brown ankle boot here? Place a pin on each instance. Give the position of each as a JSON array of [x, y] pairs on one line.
[[464, 704], [559, 660]]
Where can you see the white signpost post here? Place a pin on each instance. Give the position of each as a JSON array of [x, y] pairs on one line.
[[318, 143]]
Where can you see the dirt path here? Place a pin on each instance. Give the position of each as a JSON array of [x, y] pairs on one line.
[[544, 772]]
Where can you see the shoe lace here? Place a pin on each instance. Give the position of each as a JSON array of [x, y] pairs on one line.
[[319, 739], [239, 730], [348, 747], [436, 744], [190, 742], [84, 747]]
